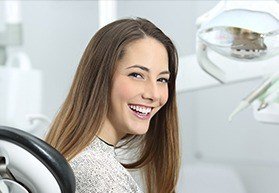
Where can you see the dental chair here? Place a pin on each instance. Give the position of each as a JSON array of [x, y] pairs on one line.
[[30, 165]]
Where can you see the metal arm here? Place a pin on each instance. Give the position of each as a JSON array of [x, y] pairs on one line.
[[207, 65]]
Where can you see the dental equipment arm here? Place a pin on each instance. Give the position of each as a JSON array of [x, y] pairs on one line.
[[207, 65]]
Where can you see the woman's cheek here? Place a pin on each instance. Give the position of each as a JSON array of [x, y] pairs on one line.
[[165, 96], [126, 89]]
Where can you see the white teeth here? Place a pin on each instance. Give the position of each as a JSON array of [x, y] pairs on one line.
[[140, 109]]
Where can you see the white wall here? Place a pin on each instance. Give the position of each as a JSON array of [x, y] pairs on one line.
[[55, 36]]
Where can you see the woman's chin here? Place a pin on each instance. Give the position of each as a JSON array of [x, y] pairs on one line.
[[140, 131]]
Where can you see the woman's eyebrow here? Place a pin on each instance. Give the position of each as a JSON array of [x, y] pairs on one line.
[[146, 69], [140, 67], [165, 72]]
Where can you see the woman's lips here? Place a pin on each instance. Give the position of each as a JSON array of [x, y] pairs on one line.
[[140, 115]]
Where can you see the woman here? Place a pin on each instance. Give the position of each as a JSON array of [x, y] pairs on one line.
[[123, 93]]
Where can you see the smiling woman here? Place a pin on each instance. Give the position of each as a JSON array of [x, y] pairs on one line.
[[123, 93], [138, 91]]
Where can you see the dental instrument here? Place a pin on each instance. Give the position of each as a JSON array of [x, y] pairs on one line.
[[266, 92]]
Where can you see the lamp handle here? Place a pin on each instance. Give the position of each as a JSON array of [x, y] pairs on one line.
[[207, 65]]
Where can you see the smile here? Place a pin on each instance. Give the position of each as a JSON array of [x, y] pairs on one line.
[[141, 112]]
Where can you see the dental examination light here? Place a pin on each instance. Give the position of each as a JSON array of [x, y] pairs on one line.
[[242, 31], [239, 30]]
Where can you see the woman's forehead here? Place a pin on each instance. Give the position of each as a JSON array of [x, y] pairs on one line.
[[147, 52]]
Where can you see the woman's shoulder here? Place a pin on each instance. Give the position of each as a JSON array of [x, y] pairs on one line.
[[94, 154], [87, 156], [96, 172], [91, 171]]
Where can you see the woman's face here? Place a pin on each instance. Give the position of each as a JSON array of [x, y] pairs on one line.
[[139, 87]]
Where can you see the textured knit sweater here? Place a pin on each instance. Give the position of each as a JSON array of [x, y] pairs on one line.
[[98, 171]]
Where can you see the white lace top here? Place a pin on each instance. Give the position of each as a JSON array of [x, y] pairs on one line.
[[97, 171]]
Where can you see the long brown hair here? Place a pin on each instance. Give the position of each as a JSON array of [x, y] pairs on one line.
[[87, 104]]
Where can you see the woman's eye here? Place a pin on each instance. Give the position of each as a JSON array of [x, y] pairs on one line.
[[163, 80], [136, 75]]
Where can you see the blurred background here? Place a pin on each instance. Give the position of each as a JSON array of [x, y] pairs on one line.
[[218, 156]]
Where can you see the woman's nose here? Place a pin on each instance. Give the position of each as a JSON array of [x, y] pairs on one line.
[[151, 92]]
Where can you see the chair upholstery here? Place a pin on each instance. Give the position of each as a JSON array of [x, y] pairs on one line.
[[33, 163]]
